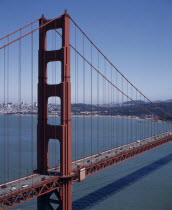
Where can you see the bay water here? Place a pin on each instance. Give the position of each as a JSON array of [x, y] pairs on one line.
[[140, 183]]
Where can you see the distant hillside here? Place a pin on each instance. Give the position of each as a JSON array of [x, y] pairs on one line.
[[168, 101], [125, 109], [133, 102]]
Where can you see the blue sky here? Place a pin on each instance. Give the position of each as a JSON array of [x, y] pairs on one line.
[[136, 35]]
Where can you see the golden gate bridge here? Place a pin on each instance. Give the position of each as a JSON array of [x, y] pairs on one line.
[[88, 115]]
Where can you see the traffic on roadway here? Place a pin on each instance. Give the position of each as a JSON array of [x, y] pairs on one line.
[[32, 179]]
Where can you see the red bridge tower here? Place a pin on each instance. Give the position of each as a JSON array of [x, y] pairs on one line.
[[63, 90]]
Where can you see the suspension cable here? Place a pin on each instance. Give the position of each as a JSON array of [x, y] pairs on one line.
[[117, 68], [30, 32], [113, 84], [19, 29]]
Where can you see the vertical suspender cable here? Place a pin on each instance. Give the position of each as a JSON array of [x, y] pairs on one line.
[[77, 81], [145, 125], [32, 136], [91, 101], [140, 116], [151, 134], [127, 120], [113, 117], [117, 107], [136, 121], [75, 99], [98, 126], [105, 144], [151, 116], [111, 113], [122, 113], [8, 145], [103, 101], [108, 112], [140, 128], [19, 104], [4, 114], [83, 42], [131, 116]]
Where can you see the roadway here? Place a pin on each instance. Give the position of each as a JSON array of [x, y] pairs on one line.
[[24, 182]]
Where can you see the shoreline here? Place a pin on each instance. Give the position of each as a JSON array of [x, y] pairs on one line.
[[102, 116]]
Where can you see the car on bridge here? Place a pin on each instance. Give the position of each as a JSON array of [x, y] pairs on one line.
[[4, 186], [24, 185]]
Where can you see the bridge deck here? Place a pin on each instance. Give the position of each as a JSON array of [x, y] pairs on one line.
[[34, 185]]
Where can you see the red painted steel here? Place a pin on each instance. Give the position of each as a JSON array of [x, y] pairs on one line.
[[19, 29], [66, 143], [25, 194], [30, 32], [62, 90], [106, 163], [49, 185]]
